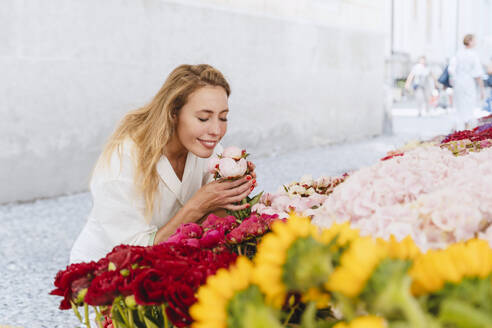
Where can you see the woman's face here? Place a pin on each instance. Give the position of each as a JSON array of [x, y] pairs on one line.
[[202, 121]]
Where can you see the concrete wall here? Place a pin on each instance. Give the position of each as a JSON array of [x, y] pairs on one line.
[[302, 73]]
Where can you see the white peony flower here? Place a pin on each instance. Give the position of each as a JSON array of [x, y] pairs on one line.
[[296, 190], [229, 168], [323, 182], [212, 165], [306, 180], [232, 152]]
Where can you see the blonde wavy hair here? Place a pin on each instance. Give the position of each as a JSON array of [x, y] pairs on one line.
[[152, 126]]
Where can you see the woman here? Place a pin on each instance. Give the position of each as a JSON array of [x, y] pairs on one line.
[[421, 81], [466, 72], [151, 176]]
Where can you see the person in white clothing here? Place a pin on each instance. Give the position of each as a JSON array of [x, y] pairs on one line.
[[466, 73], [421, 81], [152, 177]]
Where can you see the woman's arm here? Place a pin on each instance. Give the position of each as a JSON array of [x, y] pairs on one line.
[[187, 213], [214, 196]]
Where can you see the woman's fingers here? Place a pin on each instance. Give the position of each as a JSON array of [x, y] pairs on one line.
[[252, 168], [245, 187], [231, 184], [232, 207], [240, 197]]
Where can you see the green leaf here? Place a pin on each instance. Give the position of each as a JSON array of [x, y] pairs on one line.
[[463, 315], [149, 323], [255, 199], [308, 319]]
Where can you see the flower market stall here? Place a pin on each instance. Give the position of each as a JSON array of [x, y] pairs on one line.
[[406, 242]]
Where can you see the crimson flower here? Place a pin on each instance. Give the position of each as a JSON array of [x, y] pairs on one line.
[[180, 298], [104, 288], [70, 281]]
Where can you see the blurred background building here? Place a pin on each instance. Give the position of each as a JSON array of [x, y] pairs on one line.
[[435, 29], [303, 72]]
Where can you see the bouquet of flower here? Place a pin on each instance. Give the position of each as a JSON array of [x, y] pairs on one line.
[[301, 272], [232, 164], [219, 233], [481, 132], [429, 194], [135, 286], [302, 196]]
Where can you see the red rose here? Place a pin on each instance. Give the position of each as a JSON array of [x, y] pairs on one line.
[[101, 266], [180, 298], [124, 256], [80, 272], [104, 288], [149, 287]]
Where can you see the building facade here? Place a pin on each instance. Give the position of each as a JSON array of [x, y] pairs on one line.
[[71, 69]]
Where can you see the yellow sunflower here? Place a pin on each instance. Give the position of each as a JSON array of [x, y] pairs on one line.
[[362, 257], [213, 297], [342, 231], [356, 266], [369, 321], [432, 270], [403, 250], [296, 256]]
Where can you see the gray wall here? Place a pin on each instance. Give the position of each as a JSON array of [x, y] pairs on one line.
[[71, 69]]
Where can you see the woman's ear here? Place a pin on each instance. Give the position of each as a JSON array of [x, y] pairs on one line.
[[174, 115]]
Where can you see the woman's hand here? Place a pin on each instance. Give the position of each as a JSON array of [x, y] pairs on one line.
[[251, 168], [223, 194], [220, 194]]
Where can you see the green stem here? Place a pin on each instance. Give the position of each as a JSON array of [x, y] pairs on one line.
[[286, 321], [98, 317], [76, 311], [239, 250], [463, 315], [141, 313], [86, 314], [164, 315], [130, 317], [397, 296], [122, 313]]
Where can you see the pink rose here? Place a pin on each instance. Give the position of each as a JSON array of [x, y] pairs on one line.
[[232, 152], [211, 239], [221, 223], [229, 168], [186, 231]]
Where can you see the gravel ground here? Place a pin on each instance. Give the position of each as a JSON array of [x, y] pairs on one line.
[[35, 238]]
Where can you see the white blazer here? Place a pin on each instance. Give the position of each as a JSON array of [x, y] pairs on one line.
[[117, 215]]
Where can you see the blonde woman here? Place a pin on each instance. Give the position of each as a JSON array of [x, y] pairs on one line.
[[151, 176]]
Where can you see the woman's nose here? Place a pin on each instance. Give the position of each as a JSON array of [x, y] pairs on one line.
[[214, 128]]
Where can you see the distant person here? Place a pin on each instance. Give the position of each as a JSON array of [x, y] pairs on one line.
[[420, 81], [488, 101], [466, 72]]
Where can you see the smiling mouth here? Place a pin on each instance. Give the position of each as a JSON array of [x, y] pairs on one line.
[[208, 143]]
